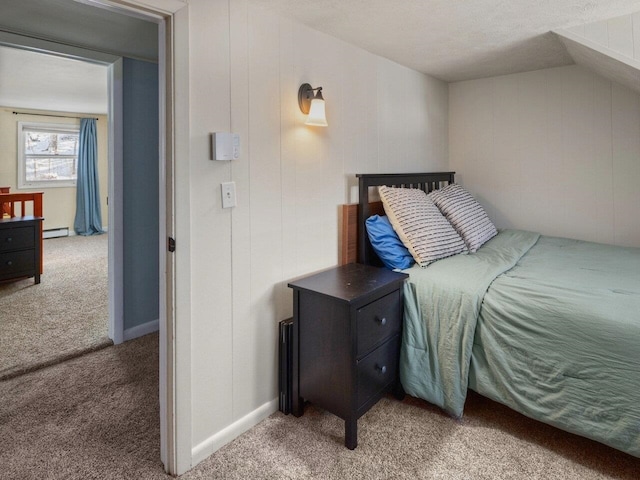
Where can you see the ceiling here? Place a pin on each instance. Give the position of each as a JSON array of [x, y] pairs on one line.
[[30, 80], [455, 40], [73, 23], [452, 40]]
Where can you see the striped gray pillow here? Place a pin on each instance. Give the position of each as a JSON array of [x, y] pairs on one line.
[[465, 214], [420, 225]]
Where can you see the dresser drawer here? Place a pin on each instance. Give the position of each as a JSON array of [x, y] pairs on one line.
[[12, 263], [378, 370], [378, 321], [16, 238]]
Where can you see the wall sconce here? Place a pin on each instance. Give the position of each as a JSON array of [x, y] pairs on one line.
[[313, 105]]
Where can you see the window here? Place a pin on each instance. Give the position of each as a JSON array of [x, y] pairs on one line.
[[47, 155]]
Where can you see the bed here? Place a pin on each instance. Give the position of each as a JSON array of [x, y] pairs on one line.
[[547, 326]]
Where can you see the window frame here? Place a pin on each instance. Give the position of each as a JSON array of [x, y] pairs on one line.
[[23, 184]]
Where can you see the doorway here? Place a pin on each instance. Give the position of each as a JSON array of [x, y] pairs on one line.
[[67, 314], [165, 196]]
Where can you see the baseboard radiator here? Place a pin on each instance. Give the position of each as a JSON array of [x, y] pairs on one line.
[[56, 232]]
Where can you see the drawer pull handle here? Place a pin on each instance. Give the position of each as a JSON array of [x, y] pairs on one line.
[[9, 239], [9, 263], [382, 321], [381, 369]]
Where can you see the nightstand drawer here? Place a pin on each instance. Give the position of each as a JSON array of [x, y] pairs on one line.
[[378, 321], [14, 238], [16, 262], [377, 370]]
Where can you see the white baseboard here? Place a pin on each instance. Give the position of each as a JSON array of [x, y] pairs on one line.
[[220, 439], [56, 232], [141, 330], [72, 232]]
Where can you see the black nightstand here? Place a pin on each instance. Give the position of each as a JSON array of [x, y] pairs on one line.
[[346, 340], [20, 248]]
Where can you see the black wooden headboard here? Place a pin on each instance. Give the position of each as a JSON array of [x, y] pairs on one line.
[[424, 181]]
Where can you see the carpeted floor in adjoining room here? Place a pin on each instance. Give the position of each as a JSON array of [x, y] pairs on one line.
[[65, 315], [97, 417]]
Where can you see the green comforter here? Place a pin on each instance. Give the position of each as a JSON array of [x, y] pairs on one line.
[[548, 326]]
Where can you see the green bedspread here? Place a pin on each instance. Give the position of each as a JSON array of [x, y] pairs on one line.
[[442, 303], [548, 326]]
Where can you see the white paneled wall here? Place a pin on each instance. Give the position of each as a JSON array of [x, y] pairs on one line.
[[245, 68], [620, 34], [210, 226], [555, 151]]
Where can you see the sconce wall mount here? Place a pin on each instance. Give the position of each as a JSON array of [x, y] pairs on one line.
[[312, 105]]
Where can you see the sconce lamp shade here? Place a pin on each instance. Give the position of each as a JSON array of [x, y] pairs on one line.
[[317, 115], [313, 105]]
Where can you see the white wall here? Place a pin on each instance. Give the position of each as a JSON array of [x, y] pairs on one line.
[[555, 151], [245, 69]]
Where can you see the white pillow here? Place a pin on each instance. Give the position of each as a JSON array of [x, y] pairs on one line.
[[420, 225], [465, 214]]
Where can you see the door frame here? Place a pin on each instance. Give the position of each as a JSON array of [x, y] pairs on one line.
[[174, 390], [116, 213], [172, 19], [175, 403]]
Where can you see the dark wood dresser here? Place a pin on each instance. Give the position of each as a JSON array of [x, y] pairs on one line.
[[347, 323], [20, 248]]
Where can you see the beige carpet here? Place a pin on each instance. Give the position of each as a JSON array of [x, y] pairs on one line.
[[412, 440], [62, 317], [96, 416], [92, 417]]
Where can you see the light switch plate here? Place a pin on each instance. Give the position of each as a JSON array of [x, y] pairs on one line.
[[228, 194]]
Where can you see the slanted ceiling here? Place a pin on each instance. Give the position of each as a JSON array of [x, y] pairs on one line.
[[610, 48], [455, 40], [604, 61]]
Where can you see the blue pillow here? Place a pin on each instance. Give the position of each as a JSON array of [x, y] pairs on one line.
[[386, 243]]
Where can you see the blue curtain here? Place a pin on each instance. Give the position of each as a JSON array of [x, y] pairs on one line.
[[88, 217]]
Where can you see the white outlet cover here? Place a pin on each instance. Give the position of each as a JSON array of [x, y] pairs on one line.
[[228, 194]]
